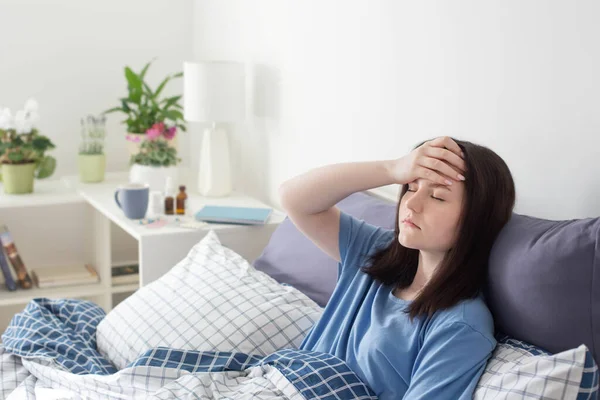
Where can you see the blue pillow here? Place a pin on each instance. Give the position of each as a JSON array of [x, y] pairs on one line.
[[544, 281], [292, 258]]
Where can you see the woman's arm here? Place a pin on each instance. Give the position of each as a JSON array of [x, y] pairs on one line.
[[309, 199]]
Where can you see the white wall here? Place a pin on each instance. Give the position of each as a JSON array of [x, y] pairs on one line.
[[335, 81], [358, 80], [70, 55]]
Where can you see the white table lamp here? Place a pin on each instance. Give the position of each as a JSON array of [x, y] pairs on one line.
[[214, 91]]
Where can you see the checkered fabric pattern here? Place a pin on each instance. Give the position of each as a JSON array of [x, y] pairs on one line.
[[66, 327], [518, 370], [211, 300], [61, 363], [12, 372]]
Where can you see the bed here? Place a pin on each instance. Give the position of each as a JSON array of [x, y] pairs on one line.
[[218, 326]]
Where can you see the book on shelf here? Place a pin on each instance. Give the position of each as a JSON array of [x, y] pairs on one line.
[[64, 275], [9, 281], [9, 247], [234, 215], [125, 274]]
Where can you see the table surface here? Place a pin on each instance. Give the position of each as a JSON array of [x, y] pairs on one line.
[[101, 197], [49, 191]]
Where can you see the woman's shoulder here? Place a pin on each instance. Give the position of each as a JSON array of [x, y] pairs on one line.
[[471, 312]]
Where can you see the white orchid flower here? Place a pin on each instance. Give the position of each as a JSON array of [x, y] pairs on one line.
[[31, 105], [22, 122], [27, 127], [33, 117], [6, 119]]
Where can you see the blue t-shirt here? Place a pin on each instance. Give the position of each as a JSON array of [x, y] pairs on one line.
[[364, 324]]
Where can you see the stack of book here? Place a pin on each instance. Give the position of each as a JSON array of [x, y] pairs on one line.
[[64, 275], [125, 273], [234, 215], [8, 251], [47, 277]]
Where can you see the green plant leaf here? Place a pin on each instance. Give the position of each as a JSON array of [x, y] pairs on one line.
[[111, 110], [170, 101], [148, 89], [41, 144], [161, 87], [135, 95], [15, 156], [46, 167], [125, 106], [133, 79], [173, 114], [164, 82], [145, 69]]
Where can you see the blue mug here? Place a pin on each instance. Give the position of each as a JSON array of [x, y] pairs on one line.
[[132, 198]]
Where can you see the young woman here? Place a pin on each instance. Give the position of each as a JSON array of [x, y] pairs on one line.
[[407, 313]]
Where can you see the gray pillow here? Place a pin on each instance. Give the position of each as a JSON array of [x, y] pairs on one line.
[[290, 257], [544, 282]]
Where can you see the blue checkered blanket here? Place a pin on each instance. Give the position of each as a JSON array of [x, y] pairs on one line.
[[49, 351]]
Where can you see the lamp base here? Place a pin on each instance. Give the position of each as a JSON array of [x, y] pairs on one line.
[[214, 173]]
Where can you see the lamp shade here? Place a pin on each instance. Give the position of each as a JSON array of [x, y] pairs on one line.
[[213, 91]]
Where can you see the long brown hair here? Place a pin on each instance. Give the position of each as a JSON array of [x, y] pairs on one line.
[[488, 202]]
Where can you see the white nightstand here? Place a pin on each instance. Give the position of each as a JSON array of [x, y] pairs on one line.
[[65, 221], [159, 249]]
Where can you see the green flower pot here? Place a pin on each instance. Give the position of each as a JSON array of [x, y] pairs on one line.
[[91, 167], [18, 178]]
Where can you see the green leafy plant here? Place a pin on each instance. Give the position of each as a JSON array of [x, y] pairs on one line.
[[92, 135], [21, 142], [156, 153], [144, 106]]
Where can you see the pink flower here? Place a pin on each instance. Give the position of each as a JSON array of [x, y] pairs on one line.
[[153, 133], [170, 133], [133, 138], [160, 126]]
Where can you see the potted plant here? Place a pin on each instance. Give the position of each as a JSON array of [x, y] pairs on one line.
[[23, 149], [143, 107], [92, 160], [156, 159]]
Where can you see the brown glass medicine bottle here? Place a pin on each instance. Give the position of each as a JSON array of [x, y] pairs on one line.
[[169, 197], [181, 200]]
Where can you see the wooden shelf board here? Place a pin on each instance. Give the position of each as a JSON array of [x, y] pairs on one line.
[[23, 296]]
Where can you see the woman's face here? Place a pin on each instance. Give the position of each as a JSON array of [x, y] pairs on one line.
[[435, 209]]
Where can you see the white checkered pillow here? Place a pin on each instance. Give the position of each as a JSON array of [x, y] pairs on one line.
[[518, 370], [211, 300]]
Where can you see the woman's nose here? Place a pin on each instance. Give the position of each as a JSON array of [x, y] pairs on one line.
[[415, 202]]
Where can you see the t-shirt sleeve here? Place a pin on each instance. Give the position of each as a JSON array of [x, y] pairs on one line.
[[450, 363], [356, 239]]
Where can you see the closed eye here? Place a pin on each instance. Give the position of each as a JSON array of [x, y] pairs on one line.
[[433, 197]]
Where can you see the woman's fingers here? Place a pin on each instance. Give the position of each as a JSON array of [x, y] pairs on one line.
[[446, 155], [431, 175], [440, 166], [448, 143]]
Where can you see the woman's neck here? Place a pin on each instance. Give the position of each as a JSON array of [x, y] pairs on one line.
[[428, 262]]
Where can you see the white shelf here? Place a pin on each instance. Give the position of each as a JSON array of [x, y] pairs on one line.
[[45, 192], [130, 287], [101, 197], [23, 296], [156, 250]]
